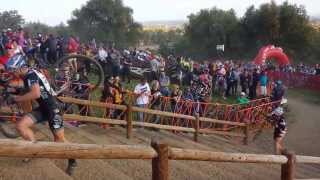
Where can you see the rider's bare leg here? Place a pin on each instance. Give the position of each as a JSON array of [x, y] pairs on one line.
[[24, 128], [278, 145], [59, 137]]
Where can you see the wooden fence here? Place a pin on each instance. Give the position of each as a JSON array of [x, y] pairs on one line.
[[159, 152], [129, 123]]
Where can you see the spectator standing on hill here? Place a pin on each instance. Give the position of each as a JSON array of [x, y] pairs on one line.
[[263, 83], [126, 68], [51, 44], [60, 47], [317, 69], [154, 63], [253, 84], [73, 48], [164, 81], [244, 81], [175, 97], [142, 90], [118, 91], [115, 61], [155, 99]]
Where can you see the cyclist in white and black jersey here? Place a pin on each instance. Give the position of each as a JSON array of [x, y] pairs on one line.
[[38, 89]]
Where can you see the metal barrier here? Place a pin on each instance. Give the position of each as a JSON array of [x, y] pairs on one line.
[[296, 79]]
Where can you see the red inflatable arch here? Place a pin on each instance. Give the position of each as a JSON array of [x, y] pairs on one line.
[[270, 51]]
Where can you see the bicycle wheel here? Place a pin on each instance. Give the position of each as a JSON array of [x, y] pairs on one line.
[[68, 68]]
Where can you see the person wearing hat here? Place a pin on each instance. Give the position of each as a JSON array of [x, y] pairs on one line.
[[37, 89], [280, 128], [243, 99]]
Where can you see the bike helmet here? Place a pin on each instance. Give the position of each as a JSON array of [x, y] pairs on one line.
[[279, 82], [16, 62], [278, 111]]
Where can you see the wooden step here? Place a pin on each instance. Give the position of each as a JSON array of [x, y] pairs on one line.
[[36, 169], [86, 169]]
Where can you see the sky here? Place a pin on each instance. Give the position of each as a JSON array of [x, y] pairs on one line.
[[53, 12]]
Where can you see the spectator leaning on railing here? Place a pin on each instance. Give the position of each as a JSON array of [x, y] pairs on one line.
[[143, 92]]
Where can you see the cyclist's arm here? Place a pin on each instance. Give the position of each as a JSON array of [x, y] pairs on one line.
[[33, 94]]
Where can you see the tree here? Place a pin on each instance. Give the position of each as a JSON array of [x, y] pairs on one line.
[[295, 30], [11, 19], [106, 20], [209, 28]]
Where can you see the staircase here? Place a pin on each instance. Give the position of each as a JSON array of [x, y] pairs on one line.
[[41, 169]]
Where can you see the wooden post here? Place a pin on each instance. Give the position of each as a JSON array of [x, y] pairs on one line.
[[288, 169], [246, 132], [129, 120], [160, 164], [197, 127]]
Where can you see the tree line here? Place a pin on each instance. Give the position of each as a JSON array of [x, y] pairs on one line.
[[286, 25]]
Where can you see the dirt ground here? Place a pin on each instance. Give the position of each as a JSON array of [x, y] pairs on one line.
[[304, 131], [303, 119], [303, 138]]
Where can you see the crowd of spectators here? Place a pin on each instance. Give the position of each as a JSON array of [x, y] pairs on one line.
[[173, 76]]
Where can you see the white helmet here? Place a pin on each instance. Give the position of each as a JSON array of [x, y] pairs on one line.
[[284, 101], [278, 111]]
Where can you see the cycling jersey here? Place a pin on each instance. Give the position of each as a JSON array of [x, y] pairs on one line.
[[46, 99], [48, 109], [280, 128]]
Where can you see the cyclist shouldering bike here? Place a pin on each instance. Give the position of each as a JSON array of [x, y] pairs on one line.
[[37, 89]]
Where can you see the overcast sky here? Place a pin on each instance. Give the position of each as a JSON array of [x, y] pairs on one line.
[[53, 12]]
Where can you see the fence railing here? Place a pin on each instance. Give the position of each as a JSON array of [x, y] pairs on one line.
[[296, 79], [129, 123], [159, 152]]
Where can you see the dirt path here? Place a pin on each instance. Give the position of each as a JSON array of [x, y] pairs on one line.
[[304, 127]]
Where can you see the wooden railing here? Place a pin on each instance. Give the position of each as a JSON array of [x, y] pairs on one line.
[[129, 123], [159, 152]]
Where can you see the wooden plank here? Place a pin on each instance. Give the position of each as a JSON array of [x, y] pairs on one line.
[[166, 127], [308, 159], [221, 121], [162, 113], [208, 131], [197, 155], [26, 149], [74, 117], [92, 103]]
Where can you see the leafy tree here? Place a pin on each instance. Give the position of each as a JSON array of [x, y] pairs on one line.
[[106, 20], [11, 19], [209, 28], [295, 30]]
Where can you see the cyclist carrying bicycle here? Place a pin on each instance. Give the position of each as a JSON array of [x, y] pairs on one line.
[[38, 89], [280, 128]]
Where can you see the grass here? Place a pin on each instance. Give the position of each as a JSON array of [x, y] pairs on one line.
[[307, 95]]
